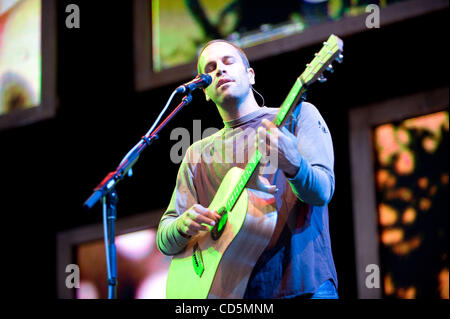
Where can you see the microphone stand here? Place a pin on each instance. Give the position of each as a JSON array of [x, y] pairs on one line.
[[106, 191]]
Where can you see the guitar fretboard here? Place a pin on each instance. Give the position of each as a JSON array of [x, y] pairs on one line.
[[291, 99], [245, 177]]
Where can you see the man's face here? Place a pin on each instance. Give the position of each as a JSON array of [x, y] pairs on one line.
[[231, 79]]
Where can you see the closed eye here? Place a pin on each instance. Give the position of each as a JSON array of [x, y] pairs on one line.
[[228, 60], [210, 67]]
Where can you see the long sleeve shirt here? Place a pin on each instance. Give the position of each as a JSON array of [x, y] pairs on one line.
[[299, 258]]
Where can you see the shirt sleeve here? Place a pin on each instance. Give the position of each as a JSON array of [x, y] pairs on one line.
[[314, 182], [169, 239]]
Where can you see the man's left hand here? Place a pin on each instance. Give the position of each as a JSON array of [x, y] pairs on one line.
[[281, 142]]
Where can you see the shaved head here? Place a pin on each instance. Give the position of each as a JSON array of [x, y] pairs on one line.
[[238, 49]]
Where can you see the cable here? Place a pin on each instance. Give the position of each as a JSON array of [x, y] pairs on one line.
[[259, 95]]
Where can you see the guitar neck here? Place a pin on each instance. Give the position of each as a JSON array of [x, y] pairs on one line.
[[330, 51], [292, 99], [285, 109]]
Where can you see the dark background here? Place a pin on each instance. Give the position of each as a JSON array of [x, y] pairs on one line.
[[51, 167]]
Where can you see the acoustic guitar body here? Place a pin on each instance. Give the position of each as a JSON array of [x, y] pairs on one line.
[[220, 268]]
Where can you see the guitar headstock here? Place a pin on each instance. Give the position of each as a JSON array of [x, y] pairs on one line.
[[323, 61]]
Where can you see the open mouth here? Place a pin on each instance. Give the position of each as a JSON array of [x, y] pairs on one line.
[[222, 82]]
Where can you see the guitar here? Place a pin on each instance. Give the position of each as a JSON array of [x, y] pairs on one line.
[[218, 263]]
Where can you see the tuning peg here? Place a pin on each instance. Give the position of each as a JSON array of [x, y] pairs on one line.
[[340, 58], [329, 68], [322, 79]]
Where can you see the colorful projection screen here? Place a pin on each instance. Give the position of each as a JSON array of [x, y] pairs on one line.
[[20, 55], [412, 199], [181, 27], [141, 268]]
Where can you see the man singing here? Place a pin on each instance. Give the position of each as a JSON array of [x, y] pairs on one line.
[[298, 262]]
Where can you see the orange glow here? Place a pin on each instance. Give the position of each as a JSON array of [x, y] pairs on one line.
[[405, 194], [391, 236], [382, 176], [423, 182], [385, 179], [389, 288], [431, 122], [443, 283], [444, 178], [424, 204], [430, 144], [409, 216], [433, 190], [405, 163], [407, 293], [403, 136], [387, 215], [385, 141], [406, 247], [391, 181], [402, 193]]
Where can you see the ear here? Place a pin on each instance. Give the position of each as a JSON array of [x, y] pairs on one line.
[[206, 95], [251, 75]]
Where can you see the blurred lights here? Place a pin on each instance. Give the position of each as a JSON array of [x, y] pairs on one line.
[[405, 247], [406, 293], [403, 193], [424, 204], [87, 290], [433, 190], [385, 179], [409, 216], [422, 182], [403, 136], [404, 196], [386, 144], [404, 165], [389, 288], [444, 178], [136, 245], [431, 123], [392, 236], [387, 215], [430, 144], [443, 283], [153, 287]]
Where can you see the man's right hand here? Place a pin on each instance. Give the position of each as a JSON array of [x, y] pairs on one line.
[[190, 222]]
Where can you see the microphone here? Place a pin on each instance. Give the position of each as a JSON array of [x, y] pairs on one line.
[[201, 81]]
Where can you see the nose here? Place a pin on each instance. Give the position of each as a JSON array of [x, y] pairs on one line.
[[220, 68]]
